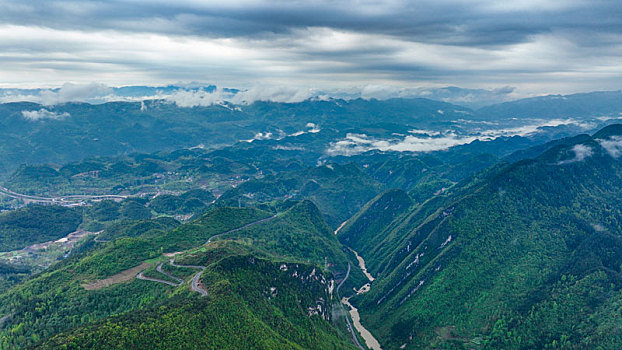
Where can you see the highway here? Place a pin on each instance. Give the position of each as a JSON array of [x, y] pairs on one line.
[[159, 269], [61, 199]]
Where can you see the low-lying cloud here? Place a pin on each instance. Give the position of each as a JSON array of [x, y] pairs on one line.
[[472, 98], [44, 114], [534, 127], [201, 97], [580, 153], [430, 140], [613, 146], [195, 95], [91, 93], [355, 144], [312, 128]]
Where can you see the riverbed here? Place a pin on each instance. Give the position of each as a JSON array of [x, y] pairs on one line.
[[369, 339]]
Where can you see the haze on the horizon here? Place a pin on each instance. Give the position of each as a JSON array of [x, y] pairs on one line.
[[517, 48]]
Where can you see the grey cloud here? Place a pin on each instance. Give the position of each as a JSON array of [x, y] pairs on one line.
[[446, 22], [537, 46]]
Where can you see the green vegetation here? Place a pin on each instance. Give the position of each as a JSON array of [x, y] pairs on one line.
[[36, 224], [242, 267], [339, 191], [467, 252], [363, 230], [188, 202], [252, 303], [11, 274], [524, 256]]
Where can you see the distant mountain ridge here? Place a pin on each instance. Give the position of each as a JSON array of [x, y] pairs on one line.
[[32, 133], [592, 104]]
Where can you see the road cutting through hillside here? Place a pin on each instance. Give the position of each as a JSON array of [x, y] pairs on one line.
[[159, 269], [140, 276], [195, 281], [194, 285]]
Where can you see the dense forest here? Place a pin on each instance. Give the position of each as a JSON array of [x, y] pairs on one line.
[[506, 243]]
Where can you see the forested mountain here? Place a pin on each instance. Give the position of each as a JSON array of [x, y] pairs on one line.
[[37, 134], [480, 234], [605, 104], [524, 255], [269, 277], [325, 175], [33, 133]]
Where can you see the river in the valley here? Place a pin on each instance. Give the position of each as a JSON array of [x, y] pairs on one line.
[[370, 341]]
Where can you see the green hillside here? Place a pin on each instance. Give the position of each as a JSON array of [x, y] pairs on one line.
[[252, 303], [364, 230], [339, 191], [526, 256], [36, 224], [94, 295]]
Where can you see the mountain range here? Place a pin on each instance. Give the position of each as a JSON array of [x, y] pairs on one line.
[[322, 224]]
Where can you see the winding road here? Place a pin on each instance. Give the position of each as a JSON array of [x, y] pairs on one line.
[[241, 228], [140, 276], [195, 279], [194, 285], [159, 269]]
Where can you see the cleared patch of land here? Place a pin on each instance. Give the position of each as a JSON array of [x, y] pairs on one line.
[[122, 276]]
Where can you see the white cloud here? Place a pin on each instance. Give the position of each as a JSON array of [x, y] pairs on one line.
[[194, 98], [44, 114], [74, 92], [598, 227], [185, 98], [275, 94], [534, 127], [580, 153], [424, 132], [261, 136], [613, 146], [435, 141], [193, 94], [312, 129], [68, 92], [359, 143], [288, 148]]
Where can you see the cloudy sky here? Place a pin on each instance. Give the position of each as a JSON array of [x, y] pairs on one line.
[[516, 48]]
